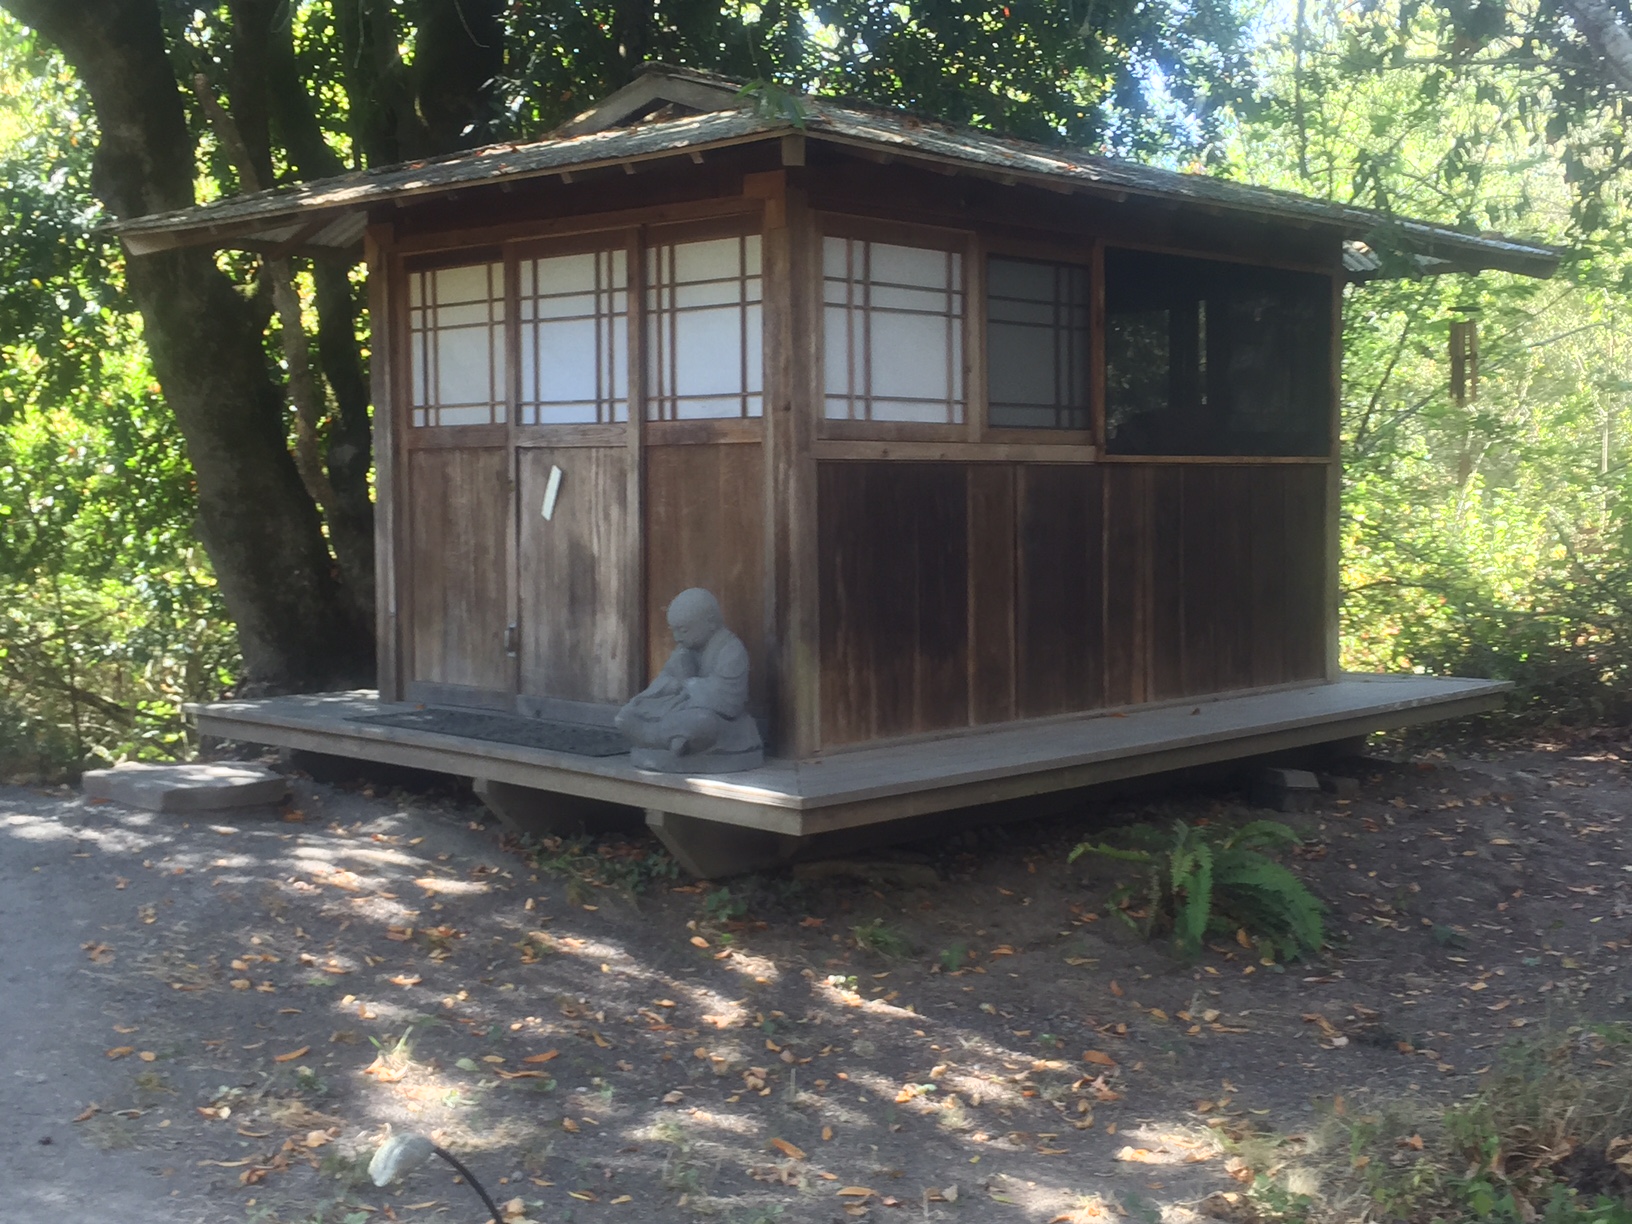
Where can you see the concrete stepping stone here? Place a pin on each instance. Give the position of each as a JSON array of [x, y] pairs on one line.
[[194, 787]]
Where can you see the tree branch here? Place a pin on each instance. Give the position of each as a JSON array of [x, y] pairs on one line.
[[1606, 36]]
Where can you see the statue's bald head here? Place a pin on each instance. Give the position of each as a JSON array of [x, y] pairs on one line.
[[694, 617]]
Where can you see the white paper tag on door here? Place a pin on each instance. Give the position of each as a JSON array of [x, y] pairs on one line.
[[552, 490]]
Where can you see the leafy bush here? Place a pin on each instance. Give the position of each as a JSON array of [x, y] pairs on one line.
[[1199, 881]]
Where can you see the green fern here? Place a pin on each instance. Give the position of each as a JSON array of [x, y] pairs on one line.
[[1200, 881]]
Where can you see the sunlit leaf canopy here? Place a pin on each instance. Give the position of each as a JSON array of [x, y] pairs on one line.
[[1124, 75]]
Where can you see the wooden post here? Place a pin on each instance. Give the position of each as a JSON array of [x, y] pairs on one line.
[[634, 609], [377, 242], [790, 266], [1334, 489]]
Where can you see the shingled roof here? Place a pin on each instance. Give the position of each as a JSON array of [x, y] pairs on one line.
[[668, 112]]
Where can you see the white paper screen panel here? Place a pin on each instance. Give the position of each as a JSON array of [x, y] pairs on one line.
[[704, 330], [892, 338], [457, 346], [1037, 344], [574, 316]]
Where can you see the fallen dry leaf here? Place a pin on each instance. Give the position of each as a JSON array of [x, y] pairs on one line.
[[1099, 1058], [787, 1149], [542, 1058], [121, 1051], [292, 1055]]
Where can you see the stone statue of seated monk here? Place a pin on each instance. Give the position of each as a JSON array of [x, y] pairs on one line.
[[694, 717]]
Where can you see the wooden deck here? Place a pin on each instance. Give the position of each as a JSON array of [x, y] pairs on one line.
[[868, 785]]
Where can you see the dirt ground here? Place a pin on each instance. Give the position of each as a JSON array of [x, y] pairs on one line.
[[217, 1019]]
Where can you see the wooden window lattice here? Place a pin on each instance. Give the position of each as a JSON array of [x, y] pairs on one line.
[[1037, 344], [892, 332], [574, 316], [456, 345], [704, 332]]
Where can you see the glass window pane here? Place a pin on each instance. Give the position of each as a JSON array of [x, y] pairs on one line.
[[911, 356], [1037, 345], [464, 366]]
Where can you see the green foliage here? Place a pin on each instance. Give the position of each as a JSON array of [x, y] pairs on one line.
[[1536, 1143], [1490, 536], [722, 905], [586, 863], [1197, 880], [881, 939], [109, 615]]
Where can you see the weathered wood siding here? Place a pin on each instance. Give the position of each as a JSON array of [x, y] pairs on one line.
[[458, 588], [705, 527], [575, 640], [960, 594]]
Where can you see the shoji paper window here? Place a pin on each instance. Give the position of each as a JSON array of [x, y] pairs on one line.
[[893, 332], [1036, 345], [704, 335], [456, 342], [575, 339]]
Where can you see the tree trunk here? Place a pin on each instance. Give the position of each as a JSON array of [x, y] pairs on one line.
[[1606, 35], [296, 628]]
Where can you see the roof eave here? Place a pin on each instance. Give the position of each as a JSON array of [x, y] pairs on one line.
[[304, 228]]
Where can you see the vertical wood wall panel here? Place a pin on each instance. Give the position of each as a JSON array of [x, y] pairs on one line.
[[1062, 588], [575, 641], [1127, 501], [1059, 605], [1306, 544], [458, 501], [705, 527], [893, 560], [1271, 561], [1166, 616], [992, 558]]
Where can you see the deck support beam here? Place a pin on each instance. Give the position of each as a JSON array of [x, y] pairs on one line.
[[713, 850]]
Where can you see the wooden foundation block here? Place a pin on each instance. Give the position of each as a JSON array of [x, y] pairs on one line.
[[528, 812], [1285, 790], [713, 850]]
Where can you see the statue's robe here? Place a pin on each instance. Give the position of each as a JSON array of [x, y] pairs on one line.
[[700, 696]]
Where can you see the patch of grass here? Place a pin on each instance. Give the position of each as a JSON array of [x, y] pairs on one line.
[[878, 937], [952, 959], [350, 1169], [1197, 880], [586, 863], [1545, 1140]]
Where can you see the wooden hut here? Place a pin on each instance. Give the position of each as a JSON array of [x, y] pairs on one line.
[[1015, 468]]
